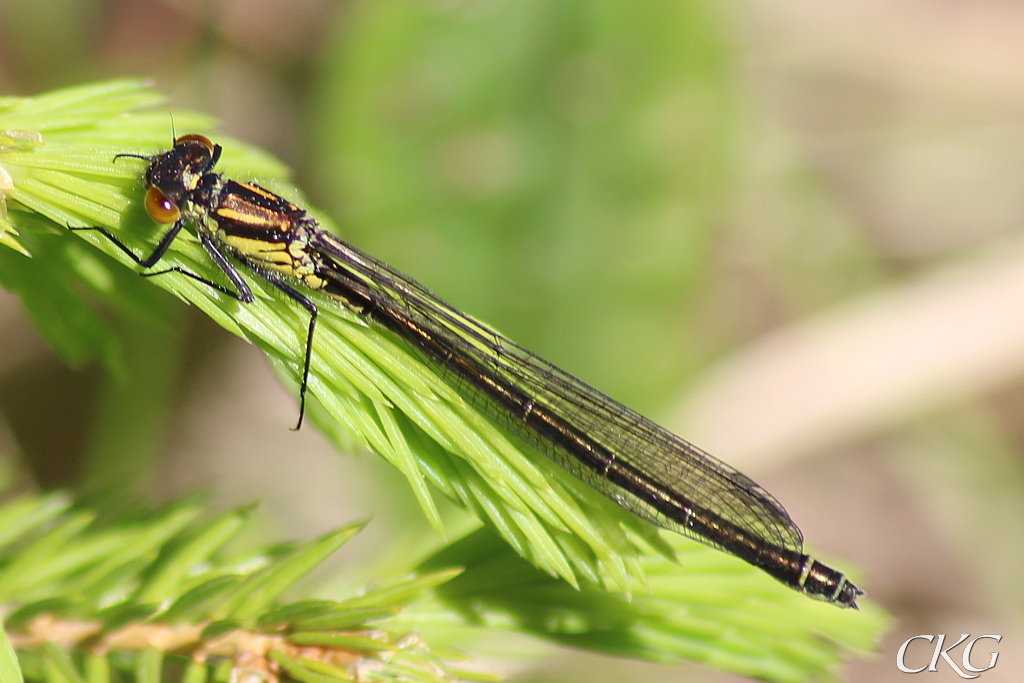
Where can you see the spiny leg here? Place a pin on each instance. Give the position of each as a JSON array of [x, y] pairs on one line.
[[243, 292], [147, 262], [307, 303]]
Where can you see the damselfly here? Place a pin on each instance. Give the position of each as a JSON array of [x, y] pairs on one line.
[[638, 464]]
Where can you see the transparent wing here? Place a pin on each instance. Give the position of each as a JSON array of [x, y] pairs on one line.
[[507, 382]]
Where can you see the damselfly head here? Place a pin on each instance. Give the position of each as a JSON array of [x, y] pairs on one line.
[[173, 174]]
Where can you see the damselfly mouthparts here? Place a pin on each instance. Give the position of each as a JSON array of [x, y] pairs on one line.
[[643, 467]]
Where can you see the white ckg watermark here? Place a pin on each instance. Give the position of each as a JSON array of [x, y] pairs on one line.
[[943, 653]]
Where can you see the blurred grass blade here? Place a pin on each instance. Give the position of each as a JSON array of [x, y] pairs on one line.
[[9, 668], [21, 515], [257, 594], [176, 566]]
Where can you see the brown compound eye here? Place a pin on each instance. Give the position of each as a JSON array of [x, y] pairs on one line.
[[195, 137], [160, 207]]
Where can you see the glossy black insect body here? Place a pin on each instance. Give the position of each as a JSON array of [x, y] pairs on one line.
[[635, 462]]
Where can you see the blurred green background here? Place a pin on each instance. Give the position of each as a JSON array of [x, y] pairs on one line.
[[789, 230]]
